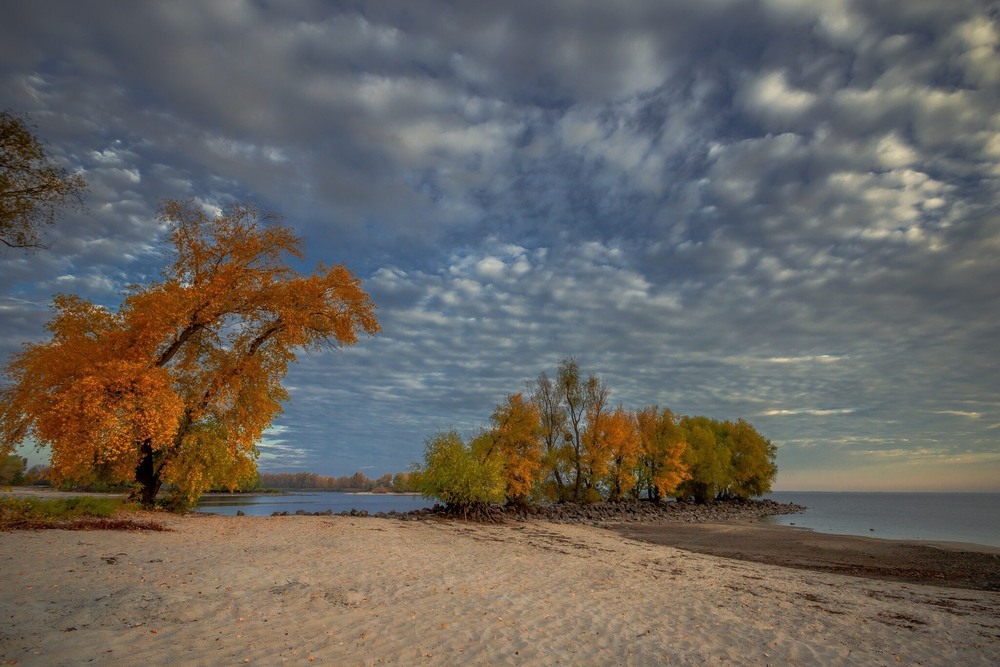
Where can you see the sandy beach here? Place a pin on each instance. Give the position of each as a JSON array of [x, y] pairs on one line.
[[219, 590]]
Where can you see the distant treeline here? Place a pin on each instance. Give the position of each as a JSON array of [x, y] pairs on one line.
[[399, 482], [14, 471]]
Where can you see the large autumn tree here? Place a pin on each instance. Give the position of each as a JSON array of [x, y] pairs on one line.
[[177, 386], [32, 188]]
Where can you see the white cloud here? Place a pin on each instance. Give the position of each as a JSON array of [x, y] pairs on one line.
[[982, 40], [821, 358], [491, 268], [960, 413], [812, 412], [771, 96]]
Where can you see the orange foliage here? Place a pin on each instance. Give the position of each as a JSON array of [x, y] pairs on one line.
[[179, 384], [516, 435], [662, 446], [621, 435]]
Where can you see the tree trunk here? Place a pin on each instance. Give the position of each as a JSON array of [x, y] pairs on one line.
[[654, 490], [147, 476]]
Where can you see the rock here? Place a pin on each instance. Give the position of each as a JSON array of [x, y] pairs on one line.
[[240, 513]]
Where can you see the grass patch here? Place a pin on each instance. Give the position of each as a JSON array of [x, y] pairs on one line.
[[76, 513]]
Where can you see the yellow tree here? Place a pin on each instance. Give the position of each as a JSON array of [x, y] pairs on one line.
[[516, 435], [662, 446], [32, 188], [621, 433], [179, 384]]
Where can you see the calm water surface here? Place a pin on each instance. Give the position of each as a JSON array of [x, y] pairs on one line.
[[953, 517], [310, 501]]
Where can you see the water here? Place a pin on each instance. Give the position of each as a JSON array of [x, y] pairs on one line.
[[935, 517], [310, 501]]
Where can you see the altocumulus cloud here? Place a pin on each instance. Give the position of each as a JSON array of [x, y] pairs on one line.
[[781, 210]]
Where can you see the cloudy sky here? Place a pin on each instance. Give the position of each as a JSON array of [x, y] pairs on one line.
[[783, 210]]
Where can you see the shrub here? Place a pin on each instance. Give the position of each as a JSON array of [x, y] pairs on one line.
[[77, 513], [459, 475]]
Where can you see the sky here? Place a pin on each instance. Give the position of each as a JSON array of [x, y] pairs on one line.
[[781, 210]]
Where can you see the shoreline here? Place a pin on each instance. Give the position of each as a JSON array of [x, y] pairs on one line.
[[946, 564], [746, 538], [662, 519]]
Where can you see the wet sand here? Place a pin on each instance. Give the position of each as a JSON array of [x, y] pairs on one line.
[[952, 564]]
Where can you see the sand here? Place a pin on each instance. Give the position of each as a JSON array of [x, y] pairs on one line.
[[948, 564], [349, 591]]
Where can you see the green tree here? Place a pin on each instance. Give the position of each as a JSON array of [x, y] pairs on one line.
[[206, 458], [707, 459], [726, 459], [462, 476], [32, 188], [752, 466], [12, 469]]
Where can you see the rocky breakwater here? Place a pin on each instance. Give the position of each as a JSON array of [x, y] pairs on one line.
[[649, 512], [617, 513], [595, 514]]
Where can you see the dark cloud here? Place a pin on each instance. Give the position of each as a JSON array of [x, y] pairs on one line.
[[783, 210]]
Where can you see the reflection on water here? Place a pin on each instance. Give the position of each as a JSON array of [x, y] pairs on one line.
[[310, 501]]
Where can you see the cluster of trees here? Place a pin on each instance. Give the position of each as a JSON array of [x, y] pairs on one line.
[[14, 471], [564, 442], [399, 482]]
